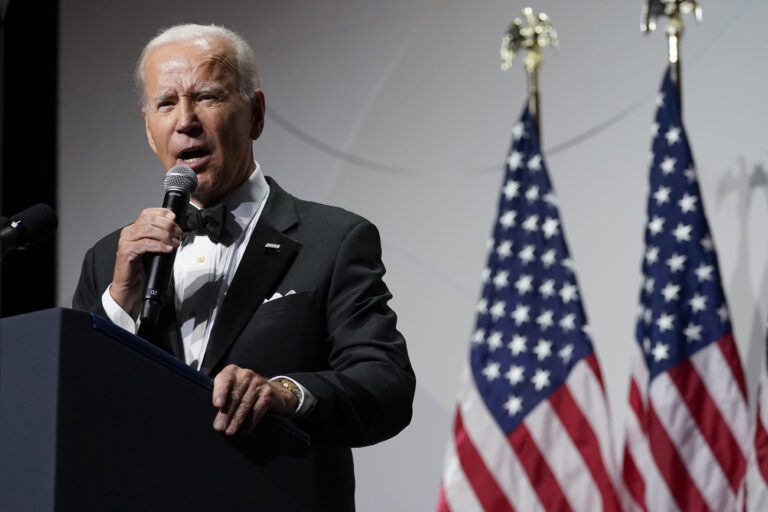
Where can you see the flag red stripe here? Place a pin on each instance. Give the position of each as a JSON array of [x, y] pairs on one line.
[[731, 354], [584, 438], [714, 428], [633, 479], [672, 468], [761, 444], [539, 473], [636, 403], [591, 360], [487, 490], [442, 502]]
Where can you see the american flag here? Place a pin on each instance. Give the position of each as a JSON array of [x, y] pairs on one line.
[[688, 424], [757, 472], [531, 430]]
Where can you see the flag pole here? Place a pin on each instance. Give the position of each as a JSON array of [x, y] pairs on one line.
[[537, 34], [672, 9]]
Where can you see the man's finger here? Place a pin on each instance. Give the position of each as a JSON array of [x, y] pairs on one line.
[[244, 407], [266, 401], [221, 385]]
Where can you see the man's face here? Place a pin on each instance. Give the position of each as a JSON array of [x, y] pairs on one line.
[[195, 115]]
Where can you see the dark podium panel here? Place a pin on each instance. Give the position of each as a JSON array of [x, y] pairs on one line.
[[93, 418]]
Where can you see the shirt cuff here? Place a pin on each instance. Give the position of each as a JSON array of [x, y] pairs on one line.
[[116, 314], [306, 399]]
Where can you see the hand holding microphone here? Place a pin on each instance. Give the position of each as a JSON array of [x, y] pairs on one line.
[[154, 236]]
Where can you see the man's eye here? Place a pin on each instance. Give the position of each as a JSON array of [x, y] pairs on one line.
[[164, 104]]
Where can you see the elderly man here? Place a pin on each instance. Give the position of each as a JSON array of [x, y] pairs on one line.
[[286, 307]]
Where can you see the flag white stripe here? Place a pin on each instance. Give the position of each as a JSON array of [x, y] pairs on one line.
[[563, 458], [722, 387], [494, 448], [458, 493], [657, 494], [703, 467]]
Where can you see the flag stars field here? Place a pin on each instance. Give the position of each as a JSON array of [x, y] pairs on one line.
[[511, 189], [508, 219], [543, 350], [662, 195], [515, 375], [704, 272], [524, 284], [545, 320], [665, 322], [672, 135], [568, 293], [677, 262], [513, 405], [668, 165], [540, 379], [660, 352], [698, 303], [514, 161], [531, 223], [548, 258], [504, 250], [688, 203], [547, 288], [527, 255], [692, 332], [491, 371], [498, 309], [517, 345], [656, 226], [494, 340], [501, 279], [682, 232], [670, 292]]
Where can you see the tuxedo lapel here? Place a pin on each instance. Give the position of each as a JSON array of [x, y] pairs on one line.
[[268, 255]]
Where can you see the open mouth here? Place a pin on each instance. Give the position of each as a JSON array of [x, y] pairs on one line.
[[192, 156]]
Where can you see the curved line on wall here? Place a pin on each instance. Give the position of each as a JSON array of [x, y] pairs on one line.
[[577, 139]]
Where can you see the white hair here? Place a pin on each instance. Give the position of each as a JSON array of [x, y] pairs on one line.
[[247, 68]]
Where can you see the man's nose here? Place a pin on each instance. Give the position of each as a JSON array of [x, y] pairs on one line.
[[188, 122]]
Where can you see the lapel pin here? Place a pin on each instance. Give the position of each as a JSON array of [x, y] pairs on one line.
[[271, 248]]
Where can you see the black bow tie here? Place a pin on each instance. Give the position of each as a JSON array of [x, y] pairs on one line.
[[208, 221]]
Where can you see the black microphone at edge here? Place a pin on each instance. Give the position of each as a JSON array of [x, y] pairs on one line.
[[27, 228], [180, 181]]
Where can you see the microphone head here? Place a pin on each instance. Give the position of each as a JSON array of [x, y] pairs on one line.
[[35, 224], [180, 179]]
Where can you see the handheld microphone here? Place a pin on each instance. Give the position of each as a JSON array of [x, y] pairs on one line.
[[179, 183], [27, 228]]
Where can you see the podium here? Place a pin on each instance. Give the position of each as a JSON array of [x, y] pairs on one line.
[[94, 418]]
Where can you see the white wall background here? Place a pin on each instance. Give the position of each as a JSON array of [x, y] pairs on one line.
[[398, 110]]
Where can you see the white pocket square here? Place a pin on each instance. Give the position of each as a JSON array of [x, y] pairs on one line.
[[278, 295]]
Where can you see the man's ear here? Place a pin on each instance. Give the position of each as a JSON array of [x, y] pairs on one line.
[[150, 138], [258, 109]]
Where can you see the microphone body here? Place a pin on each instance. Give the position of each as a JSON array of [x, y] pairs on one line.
[[180, 182], [27, 228]]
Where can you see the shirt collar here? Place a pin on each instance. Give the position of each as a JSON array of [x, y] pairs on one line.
[[245, 200]]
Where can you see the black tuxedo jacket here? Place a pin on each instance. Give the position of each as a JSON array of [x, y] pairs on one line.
[[335, 334]]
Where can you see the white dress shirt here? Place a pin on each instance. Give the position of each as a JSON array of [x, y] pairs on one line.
[[203, 271]]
